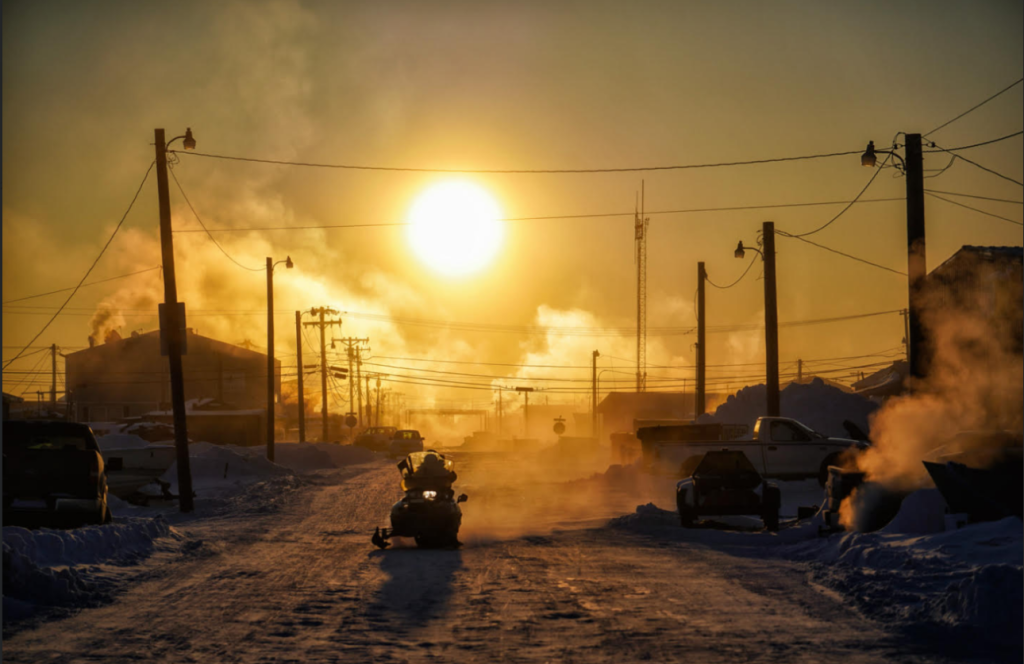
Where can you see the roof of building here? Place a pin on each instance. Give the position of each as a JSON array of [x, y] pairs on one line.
[[986, 254], [153, 338], [12, 398], [642, 401]]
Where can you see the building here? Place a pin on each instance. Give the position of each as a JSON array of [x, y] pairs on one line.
[[984, 283], [618, 410], [9, 400], [129, 377]]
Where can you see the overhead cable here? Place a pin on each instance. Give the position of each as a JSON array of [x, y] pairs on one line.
[[976, 106], [91, 267]]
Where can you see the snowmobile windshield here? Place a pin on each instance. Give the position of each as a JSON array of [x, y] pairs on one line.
[[426, 470]]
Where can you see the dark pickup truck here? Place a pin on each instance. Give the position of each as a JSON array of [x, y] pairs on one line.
[[53, 475]]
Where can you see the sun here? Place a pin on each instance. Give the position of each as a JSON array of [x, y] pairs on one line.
[[455, 228]]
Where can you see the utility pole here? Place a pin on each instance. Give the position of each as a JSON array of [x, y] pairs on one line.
[[699, 399], [917, 268], [271, 410], [53, 376], [369, 406], [771, 321], [359, 385], [173, 323], [526, 408], [916, 264], [378, 400], [799, 371], [593, 397], [352, 346], [501, 414], [906, 332], [322, 324], [302, 376]]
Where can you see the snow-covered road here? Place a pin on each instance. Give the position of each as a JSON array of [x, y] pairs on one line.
[[303, 584]]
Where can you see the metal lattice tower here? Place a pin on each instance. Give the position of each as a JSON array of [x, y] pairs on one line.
[[640, 223]]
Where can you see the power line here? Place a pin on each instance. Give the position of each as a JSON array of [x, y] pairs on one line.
[[984, 212], [91, 283], [841, 253], [977, 165], [977, 145], [851, 203], [599, 215], [405, 169], [87, 272], [984, 198], [222, 250], [976, 106], [738, 280]]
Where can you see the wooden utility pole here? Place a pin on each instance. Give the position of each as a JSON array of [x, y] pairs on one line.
[[173, 323], [526, 408], [699, 399], [771, 321], [799, 371], [352, 347], [593, 396], [917, 267], [322, 312], [369, 406], [302, 376], [271, 409], [53, 376], [378, 400]]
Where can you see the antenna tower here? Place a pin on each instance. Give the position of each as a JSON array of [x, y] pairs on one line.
[[640, 223]]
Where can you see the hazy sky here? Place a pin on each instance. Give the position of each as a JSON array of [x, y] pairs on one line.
[[495, 86]]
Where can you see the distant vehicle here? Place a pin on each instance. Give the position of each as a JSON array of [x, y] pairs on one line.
[[429, 511], [405, 442], [54, 475], [375, 438], [781, 447], [726, 483]]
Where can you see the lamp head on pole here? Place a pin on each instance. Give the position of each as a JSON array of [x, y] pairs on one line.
[[739, 253], [868, 158], [288, 262], [189, 143]]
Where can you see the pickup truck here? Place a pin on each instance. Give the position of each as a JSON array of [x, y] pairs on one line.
[[781, 447], [54, 475]]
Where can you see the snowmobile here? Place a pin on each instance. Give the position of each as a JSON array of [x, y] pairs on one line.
[[429, 511]]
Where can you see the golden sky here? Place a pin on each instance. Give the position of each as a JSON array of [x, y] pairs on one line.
[[495, 86]]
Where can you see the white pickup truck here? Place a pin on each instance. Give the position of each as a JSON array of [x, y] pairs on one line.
[[781, 447]]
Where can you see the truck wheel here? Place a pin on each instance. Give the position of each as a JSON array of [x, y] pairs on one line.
[[830, 460], [771, 520], [686, 516]]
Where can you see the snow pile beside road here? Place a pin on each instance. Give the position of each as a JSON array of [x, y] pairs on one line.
[[44, 569], [121, 441], [223, 464], [970, 580], [819, 406]]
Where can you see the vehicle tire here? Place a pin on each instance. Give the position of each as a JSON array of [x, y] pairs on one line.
[[771, 501], [687, 517], [771, 520], [830, 460]]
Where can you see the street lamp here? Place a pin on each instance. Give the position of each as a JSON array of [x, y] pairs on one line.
[[771, 315], [270, 346], [913, 170]]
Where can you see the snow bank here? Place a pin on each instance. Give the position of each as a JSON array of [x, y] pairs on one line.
[[223, 464], [75, 568], [306, 457], [970, 580], [121, 441], [819, 406]]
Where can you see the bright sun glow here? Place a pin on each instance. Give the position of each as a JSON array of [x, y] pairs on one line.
[[455, 228]]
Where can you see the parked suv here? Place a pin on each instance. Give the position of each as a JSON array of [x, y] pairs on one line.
[[54, 475]]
